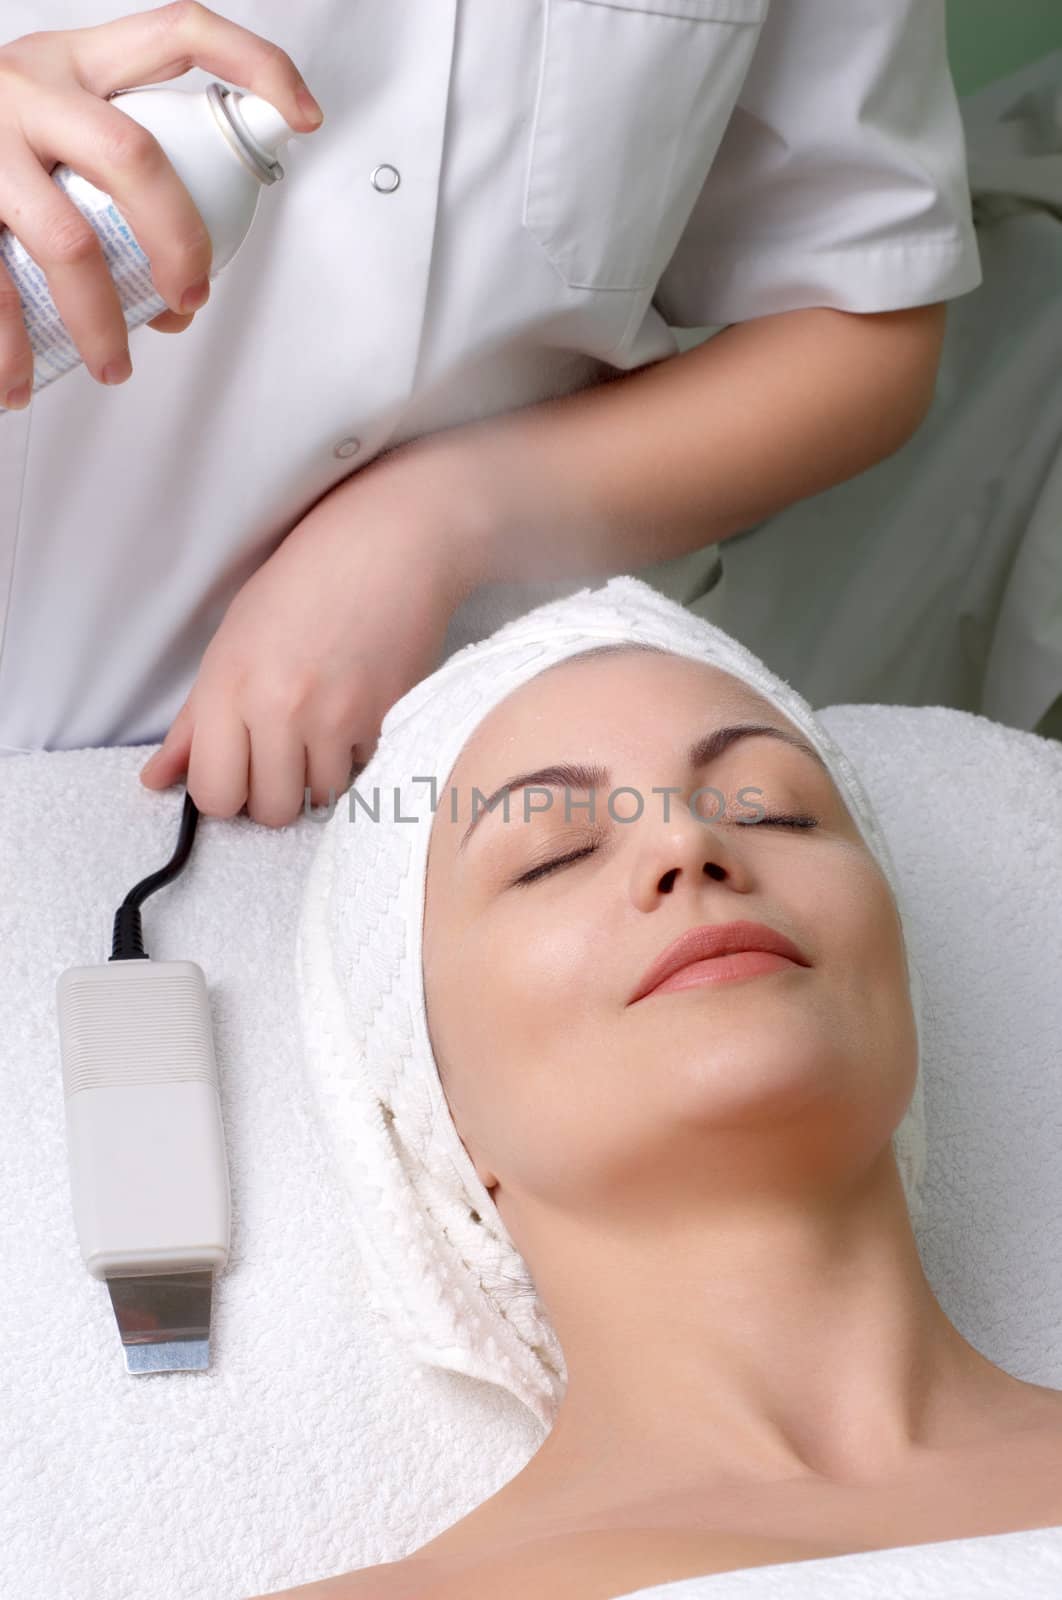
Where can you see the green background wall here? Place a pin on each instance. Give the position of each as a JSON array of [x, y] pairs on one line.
[[986, 40], [989, 38]]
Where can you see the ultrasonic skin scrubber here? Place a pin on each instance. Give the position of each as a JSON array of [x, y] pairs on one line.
[[148, 1170]]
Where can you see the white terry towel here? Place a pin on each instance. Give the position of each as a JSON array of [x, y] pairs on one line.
[[313, 1446]]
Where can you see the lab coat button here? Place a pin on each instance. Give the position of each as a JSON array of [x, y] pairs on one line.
[[347, 447], [386, 179]]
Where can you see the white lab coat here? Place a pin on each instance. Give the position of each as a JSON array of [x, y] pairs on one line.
[[935, 577], [577, 178]]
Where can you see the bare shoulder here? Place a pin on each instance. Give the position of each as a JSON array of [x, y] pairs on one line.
[[392, 1580], [482, 1560], [1037, 1430], [591, 1565], [1049, 1406]]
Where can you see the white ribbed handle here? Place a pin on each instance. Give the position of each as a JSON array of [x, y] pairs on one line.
[[148, 1170]]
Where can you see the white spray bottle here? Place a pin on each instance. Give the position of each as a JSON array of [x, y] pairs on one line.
[[223, 146]]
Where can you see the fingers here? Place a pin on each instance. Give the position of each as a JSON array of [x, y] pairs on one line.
[[329, 767], [65, 247], [269, 767], [220, 761], [170, 760], [282, 767], [170, 322], [53, 109], [16, 352], [152, 46], [117, 155], [185, 751], [277, 772]]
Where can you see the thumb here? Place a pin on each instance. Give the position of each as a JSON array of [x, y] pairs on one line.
[[170, 760]]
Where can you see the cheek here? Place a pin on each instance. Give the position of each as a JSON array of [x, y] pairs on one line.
[[515, 1008], [523, 980], [867, 943]]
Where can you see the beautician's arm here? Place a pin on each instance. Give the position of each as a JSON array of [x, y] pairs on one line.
[[689, 450], [352, 608]]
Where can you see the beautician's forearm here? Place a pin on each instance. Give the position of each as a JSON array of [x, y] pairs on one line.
[[687, 451]]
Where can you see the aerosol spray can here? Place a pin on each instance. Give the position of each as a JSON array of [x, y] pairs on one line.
[[223, 146]]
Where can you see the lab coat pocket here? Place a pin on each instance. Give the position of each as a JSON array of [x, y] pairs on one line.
[[633, 99]]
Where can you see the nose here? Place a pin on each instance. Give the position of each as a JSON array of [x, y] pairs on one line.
[[685, 848]]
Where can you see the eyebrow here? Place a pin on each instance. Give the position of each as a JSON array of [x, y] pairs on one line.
[[577, 775]]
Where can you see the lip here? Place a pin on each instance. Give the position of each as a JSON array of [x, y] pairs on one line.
[[706, 942]]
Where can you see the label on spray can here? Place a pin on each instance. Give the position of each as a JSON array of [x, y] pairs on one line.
[[223, 145], [54, 352]]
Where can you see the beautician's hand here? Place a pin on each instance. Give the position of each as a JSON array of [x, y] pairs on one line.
[[54, 108], [347, 614]]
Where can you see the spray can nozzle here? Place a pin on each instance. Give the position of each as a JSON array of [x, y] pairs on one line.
[[253, 127]]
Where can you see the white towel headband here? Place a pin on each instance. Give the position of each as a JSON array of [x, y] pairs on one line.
[[440, 1263]]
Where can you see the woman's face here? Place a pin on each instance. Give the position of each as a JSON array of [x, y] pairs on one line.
[[568, 1096]]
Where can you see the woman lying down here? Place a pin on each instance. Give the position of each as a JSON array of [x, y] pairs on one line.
[[636, 1103]]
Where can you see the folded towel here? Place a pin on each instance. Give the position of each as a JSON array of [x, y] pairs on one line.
[[312, 1446]]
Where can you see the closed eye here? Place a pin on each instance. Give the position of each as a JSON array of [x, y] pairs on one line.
[[550, 866], [778, 821], [796, 820]]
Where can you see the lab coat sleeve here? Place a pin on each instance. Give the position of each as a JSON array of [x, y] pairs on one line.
[[841, 179]]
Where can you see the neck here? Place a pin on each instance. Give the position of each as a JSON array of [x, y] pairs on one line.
[[773, 1342]]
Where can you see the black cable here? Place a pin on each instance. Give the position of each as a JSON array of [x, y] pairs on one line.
[[128, 938]]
